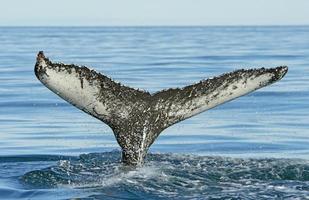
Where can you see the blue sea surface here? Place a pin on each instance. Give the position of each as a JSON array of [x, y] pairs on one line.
[[254, 147]]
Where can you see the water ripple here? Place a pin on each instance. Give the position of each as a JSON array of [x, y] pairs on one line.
[[177, 176]]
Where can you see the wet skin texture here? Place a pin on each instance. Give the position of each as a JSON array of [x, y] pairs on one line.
[[138, 117]]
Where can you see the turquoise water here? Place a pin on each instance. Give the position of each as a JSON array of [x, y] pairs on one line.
[[255, 147]]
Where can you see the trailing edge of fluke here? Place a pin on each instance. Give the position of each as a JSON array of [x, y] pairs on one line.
[[138, 117]]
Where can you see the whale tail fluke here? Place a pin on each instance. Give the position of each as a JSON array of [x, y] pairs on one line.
[[138, 117]]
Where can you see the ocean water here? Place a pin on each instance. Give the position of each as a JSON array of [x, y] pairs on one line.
[[255, 147]]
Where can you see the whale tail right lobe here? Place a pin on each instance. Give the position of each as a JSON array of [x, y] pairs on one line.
[[182, 103]]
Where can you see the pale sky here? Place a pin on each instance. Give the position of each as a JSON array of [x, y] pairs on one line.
[[153, 12]]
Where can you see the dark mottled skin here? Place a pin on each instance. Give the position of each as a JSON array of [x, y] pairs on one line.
[[150, 114]]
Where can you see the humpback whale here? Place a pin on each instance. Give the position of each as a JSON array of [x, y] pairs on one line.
[[138, 117]]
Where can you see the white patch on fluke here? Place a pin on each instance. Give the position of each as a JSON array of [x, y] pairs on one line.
[[84, 98]]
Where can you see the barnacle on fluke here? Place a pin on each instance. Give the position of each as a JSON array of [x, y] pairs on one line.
[[138, 117]]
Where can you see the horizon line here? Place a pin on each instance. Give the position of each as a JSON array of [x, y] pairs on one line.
[[165, 25]]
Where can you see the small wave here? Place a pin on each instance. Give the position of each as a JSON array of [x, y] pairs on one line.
[[172, 176], [32, 158]]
